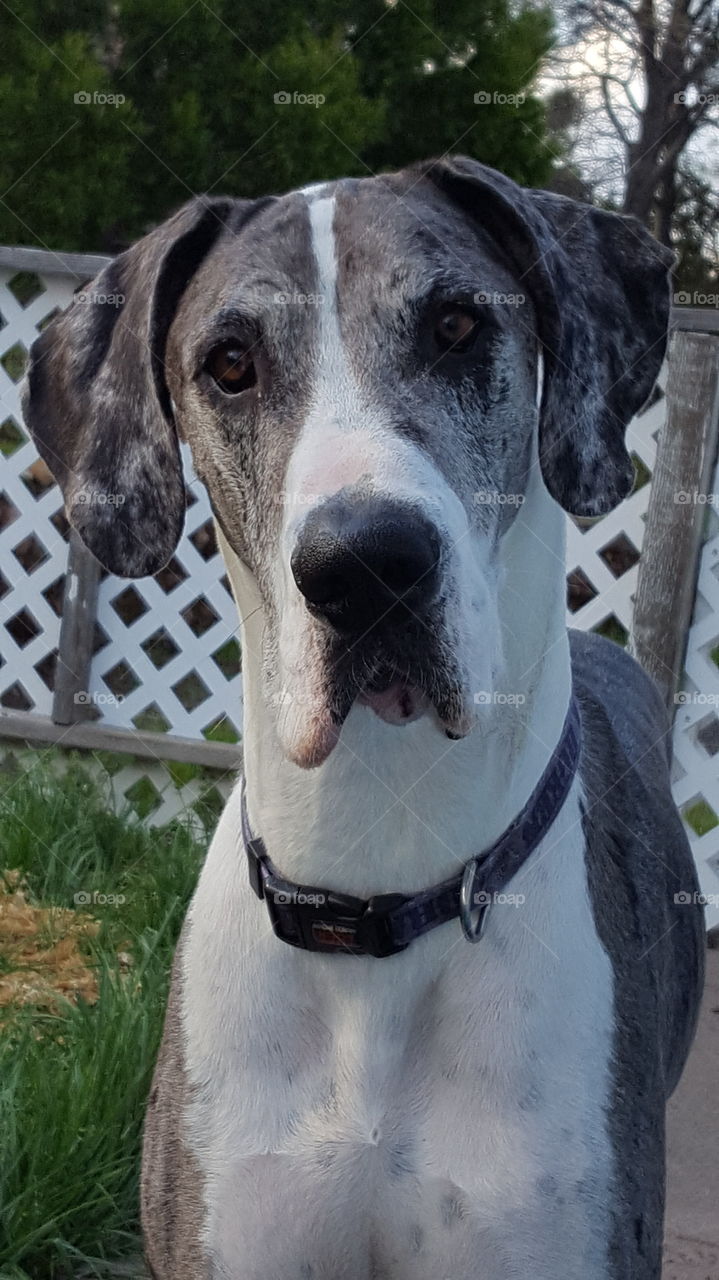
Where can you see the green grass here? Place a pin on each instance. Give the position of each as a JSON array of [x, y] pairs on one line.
[[701, 817], [73, 1081]]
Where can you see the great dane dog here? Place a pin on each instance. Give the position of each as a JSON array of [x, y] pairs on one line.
[[456, 812]]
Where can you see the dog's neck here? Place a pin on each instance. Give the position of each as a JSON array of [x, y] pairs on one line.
[[397, 809]]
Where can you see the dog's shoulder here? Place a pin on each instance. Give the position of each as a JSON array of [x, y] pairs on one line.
[[610, 683], [640, 866]]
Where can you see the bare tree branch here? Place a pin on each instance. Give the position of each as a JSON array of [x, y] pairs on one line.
[[671, 49]]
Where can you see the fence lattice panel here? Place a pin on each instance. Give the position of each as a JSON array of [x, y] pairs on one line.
[[33, 552]]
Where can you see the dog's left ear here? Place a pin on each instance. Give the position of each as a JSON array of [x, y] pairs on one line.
[[96, 398], [600, 289]]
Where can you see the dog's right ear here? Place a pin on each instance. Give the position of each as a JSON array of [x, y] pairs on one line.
[[600, 287], [96, 400]]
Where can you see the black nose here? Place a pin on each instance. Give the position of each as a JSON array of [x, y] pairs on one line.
[[358, 563]]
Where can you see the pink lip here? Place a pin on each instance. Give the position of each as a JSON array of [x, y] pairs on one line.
[[399, 704]]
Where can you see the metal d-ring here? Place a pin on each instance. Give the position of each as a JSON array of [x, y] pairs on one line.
[[472, 928]]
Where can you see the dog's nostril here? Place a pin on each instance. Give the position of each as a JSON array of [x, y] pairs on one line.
[[320, 588], [356, 566], [402, 572]]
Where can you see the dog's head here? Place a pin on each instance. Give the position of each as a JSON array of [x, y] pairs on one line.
[[356, 369]]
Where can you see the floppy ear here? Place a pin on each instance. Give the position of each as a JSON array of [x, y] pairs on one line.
[[600, 288], [97, 404]]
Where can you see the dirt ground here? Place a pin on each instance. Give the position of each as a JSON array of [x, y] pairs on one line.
[[41, 950], [691, 1248]]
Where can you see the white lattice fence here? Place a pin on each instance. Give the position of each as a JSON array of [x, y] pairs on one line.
[[696, 726], [166, 658], [32, 549]]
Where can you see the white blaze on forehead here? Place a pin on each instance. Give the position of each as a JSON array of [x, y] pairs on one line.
[[345, 438], [333, 359], [348, 438], [312, 189]]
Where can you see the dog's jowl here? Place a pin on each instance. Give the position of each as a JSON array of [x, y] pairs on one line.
[[433, 990]]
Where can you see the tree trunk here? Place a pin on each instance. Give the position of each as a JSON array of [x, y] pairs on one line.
[[665, 206], [642, 174]]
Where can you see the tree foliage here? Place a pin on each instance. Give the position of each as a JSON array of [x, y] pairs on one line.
[[114, 113]]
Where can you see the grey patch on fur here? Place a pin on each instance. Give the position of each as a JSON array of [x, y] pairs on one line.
[[547, 1186], [376, 1271], [400, 1159], [452, 1210], [326, 1156], [531, 1099], [172, 1204]]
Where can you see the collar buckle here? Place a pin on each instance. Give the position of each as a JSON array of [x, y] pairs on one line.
[[317, 920]]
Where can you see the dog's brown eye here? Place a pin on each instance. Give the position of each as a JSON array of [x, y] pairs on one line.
[[455, 329], [232, 368]]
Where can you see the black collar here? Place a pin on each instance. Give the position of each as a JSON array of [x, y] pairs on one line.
[[321, 920]]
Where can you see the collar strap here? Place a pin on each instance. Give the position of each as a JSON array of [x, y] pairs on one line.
[[322, 920]]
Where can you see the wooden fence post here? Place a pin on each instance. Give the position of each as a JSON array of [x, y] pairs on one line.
[[682, 478], [72, 672]]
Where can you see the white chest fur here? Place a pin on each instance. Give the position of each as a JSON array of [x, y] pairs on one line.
[[440, 1113]]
